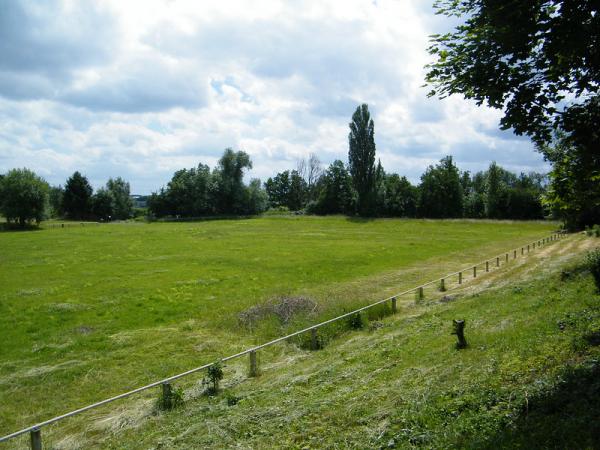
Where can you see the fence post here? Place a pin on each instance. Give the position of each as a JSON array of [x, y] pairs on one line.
[[313, 339], [487, 266], [527, 248], [534, 245], [253, 364], [459, 277], [394, 306], [515, 255], [497, 261], [166, 394], [442, 285], [522, 251], [420, 294], [474, 271], [36, 439], [507, 257]]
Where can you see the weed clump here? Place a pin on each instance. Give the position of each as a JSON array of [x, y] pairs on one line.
[[284, 308], [593, 264], [170, 398], [356, 321]]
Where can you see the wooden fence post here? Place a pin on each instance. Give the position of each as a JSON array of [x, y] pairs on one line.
[[474, 271], [497, 261], [36, 439], [487, 266], [459, 277], [253, 364], [394, 306], [442, 285], [527, 248], [522, 251], [515, 255], [420, 295], [313, 339], [507, 257]]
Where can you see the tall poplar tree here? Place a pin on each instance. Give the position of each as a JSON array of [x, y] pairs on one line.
[[361, 159]]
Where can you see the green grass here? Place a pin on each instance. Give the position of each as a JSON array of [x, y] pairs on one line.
[[88, 312], [530, 378]]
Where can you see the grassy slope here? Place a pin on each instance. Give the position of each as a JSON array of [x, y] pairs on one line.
[[89, 312], [529, 379]]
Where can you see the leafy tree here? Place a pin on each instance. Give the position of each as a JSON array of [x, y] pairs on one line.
[[441, 191], [102, 204], [523, 57], [297, 193], [229, 174], [122, 204], [77, 197], [495, 193], [23, 197], [361, 159], [257, 199], [55, 197], [540, 63], [400, 197], [336, 195], [278, 189]]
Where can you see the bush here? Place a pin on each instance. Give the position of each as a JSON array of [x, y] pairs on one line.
[[172, 399], [356, 321], [593, 263], [214, 374]]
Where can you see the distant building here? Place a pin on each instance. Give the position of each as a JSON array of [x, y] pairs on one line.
[[139, 201]]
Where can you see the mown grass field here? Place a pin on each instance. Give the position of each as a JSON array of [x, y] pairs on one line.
[[530, 377], [88, 312]]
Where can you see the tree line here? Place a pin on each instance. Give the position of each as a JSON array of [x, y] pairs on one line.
[[358, 187]]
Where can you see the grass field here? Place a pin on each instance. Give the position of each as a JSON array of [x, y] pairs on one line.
[[88, 312]]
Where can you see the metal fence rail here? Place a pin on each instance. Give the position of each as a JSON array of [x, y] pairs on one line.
[[34, 430]]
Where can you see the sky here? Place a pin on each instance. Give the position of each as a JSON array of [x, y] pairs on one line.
[[140, 89]]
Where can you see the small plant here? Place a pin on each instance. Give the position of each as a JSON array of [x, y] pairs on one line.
[[232, 399], [593, 264], [170, 398], [214, 374], [356, 321]]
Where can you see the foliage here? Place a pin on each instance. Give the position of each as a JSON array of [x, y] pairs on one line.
[[55, 200], [77, 197], [102, 204], [356, 321], [523, 57], [336, 193], [361, 159], [538, 61], [174, 399], [574, 191], [441, 191], [198, 192], [287, 189], [400, 197], [122, 205], [593, 263], [214, 374], [23, 197], [230, 190]]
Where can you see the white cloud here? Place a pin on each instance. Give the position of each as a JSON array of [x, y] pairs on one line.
[[139, 89]]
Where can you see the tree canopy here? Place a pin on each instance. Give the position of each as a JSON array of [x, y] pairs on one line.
[[77, 197], [23, 196], [533, 59], [361, 158]]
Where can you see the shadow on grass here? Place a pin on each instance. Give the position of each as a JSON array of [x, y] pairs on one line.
[[566, 417], [6, 227], [358, 219]]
